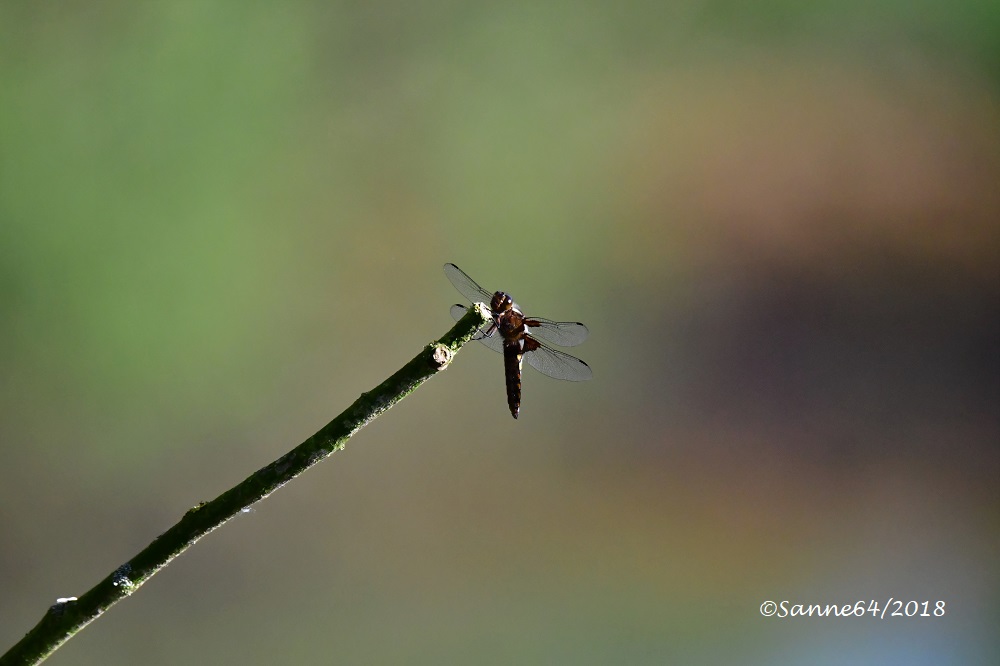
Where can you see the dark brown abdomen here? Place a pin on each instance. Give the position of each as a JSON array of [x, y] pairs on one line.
[[512, 373]]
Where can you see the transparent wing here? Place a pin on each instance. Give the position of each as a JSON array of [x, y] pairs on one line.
[[466, 285], [487, 334], [562, 333], [558, 365]]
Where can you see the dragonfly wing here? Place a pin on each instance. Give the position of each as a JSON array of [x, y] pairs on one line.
[[562, 333], [466, 285], [491, 339], [558, 365]]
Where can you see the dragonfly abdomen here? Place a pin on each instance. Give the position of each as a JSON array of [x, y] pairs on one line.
[[512, 374]]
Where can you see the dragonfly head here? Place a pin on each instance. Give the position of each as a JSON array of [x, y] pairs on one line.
[[501, 302]]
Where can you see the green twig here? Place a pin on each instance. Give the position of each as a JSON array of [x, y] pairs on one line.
[[69, 616]]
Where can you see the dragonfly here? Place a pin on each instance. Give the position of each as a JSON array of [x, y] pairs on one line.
[[520, 338]]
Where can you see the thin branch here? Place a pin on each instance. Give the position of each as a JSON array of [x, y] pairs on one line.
[[69, 616]]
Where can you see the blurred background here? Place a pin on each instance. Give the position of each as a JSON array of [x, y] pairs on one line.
[[220, 222]]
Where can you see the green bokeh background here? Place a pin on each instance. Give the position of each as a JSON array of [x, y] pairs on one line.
[[222, 221]]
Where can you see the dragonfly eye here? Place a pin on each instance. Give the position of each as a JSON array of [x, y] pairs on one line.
[[501, 302]]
